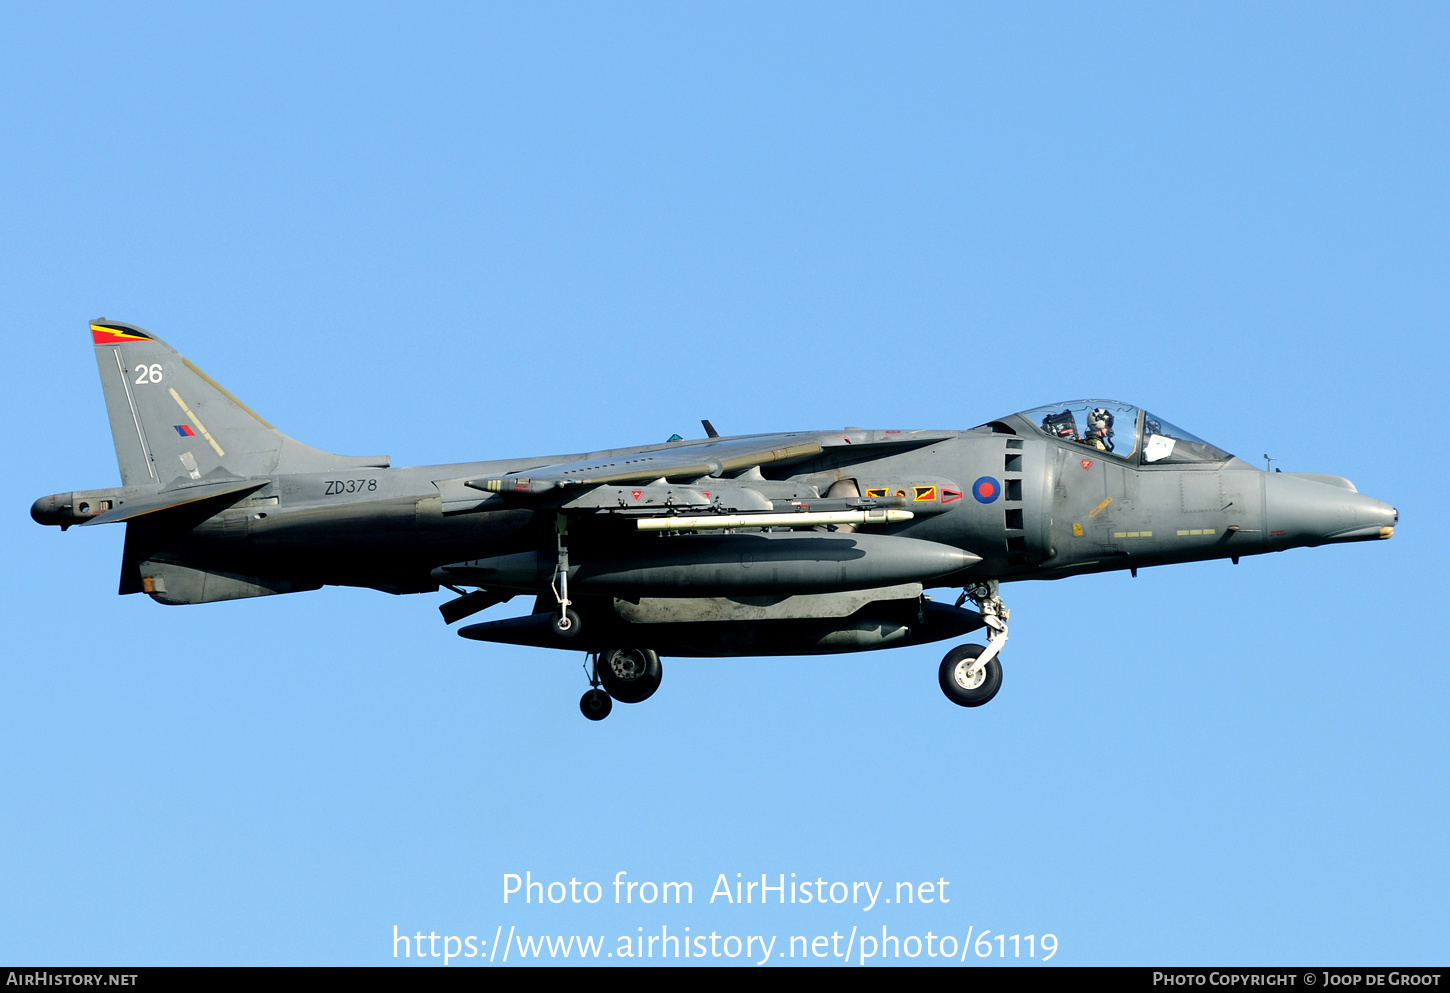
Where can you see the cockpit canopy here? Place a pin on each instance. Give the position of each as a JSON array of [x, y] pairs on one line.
[[1121, 430]]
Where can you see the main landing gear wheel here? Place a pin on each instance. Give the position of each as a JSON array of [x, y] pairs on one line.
[[565, 623], [966, 683], [630, 675], [595, 704]]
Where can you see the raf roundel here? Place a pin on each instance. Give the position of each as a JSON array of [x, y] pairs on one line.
[[986, 489]]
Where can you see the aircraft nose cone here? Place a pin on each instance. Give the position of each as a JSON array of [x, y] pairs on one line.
[[1312, 512]]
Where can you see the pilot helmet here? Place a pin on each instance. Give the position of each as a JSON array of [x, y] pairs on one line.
[[1100, 422]]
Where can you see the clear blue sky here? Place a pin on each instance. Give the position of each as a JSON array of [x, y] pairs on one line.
[[473, 231]]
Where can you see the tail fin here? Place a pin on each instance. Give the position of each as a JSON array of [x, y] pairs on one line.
[[173, 424]]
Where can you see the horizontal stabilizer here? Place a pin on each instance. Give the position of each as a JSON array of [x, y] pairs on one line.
[[169, 499]]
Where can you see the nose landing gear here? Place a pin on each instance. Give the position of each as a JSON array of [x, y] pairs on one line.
[[970, 675]]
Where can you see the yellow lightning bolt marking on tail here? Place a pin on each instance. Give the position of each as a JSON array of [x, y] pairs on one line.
[[1099, 508], [204, 432], [121, 334]]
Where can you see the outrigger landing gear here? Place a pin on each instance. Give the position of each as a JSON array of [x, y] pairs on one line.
[[970, 675], [565, 622]]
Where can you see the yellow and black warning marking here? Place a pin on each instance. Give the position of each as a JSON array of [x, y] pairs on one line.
[[1181, 532], [924, 494], [879, 492], [1132, 534], [1077, 530]]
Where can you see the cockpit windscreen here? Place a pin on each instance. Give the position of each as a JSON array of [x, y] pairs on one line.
[[1104, 425], [1122, 430], [1164, 444]]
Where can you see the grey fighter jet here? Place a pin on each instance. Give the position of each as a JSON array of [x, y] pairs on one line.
[[778, 544]]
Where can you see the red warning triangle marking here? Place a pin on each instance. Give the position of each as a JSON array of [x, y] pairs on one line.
[[1086, 463]]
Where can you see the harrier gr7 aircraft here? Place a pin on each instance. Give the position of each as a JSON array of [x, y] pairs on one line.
[[779, 544]]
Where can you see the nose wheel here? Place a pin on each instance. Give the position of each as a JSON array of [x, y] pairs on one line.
[[966, 680]]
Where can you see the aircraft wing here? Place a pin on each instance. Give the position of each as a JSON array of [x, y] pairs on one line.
[[702, 459]]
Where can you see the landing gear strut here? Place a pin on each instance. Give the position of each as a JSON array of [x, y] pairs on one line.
[[595, 704], [970, 675], [564, 622]]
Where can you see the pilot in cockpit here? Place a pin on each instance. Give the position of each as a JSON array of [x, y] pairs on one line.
[[1100, 429], [1099, 434]]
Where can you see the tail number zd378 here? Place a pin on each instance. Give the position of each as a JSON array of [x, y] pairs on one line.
[[337, 487]]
